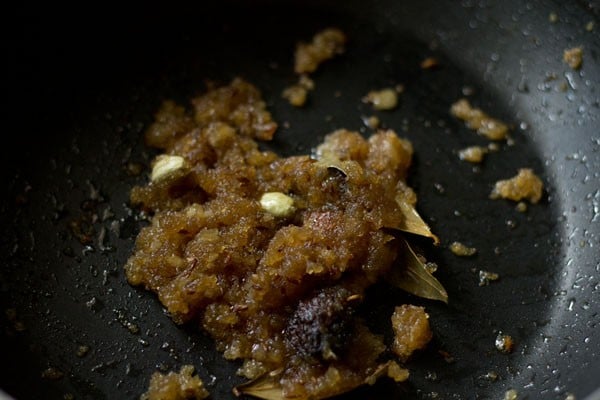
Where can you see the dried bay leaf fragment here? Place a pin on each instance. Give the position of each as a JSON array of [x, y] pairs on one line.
[[412, 276], [412, 222]]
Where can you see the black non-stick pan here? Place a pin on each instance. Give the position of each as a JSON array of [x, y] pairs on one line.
[[80, 86]]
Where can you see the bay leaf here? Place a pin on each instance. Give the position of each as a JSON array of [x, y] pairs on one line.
[[268, 386], [412, 276], [412, 222]]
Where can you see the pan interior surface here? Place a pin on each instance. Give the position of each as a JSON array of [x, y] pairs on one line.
[[84, 94]]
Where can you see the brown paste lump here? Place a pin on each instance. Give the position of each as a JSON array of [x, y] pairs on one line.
[[479, 121], [573, 57], [308, 56], [525, 185], [411, 329], [297, 94], [462, 250], [176, 386], [272, 255], [384, 99], [472, 154], [324, 46]]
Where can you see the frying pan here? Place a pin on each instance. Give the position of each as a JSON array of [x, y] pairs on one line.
[[79, 92]]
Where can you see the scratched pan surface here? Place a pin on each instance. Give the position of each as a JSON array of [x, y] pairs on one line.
[[79, 93]]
